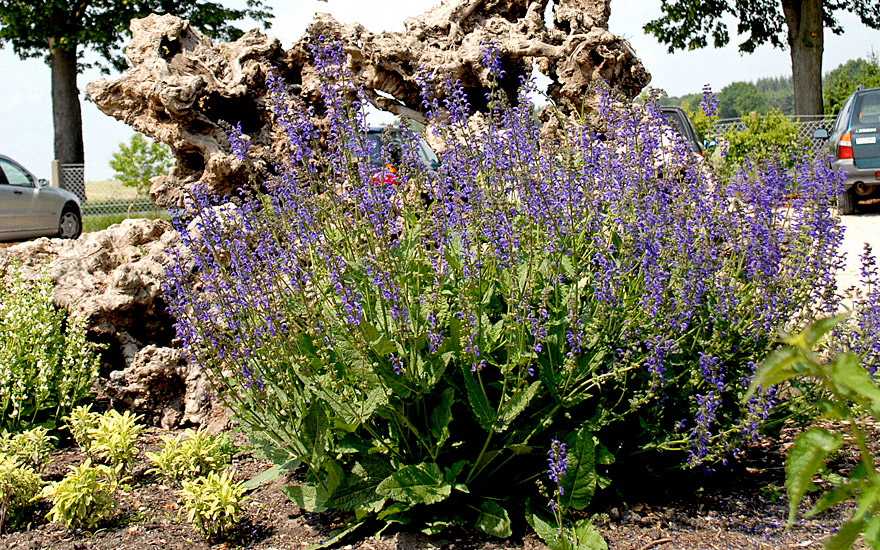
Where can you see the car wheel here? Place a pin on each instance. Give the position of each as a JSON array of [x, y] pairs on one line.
[[846, 202], [70, 224]]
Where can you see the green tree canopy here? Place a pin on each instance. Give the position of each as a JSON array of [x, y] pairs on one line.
[[138, 161], [741, 98], [842, 81], [794, 24], [60, 30]]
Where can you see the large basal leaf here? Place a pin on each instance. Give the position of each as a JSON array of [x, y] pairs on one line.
[[803, 461], [416, 484], [516, 404], [441, 416], [493, 520], [579, 482], [314, 435], [587, 537], [307, 497], [477, 398], [358, 492], [545, 530]]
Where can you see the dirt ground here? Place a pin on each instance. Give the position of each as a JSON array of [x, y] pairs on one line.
[[744, 508]]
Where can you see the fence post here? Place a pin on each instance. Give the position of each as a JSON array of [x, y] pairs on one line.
[[56, 173]]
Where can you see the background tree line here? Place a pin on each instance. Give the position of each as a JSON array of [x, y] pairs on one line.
[[777, 93]]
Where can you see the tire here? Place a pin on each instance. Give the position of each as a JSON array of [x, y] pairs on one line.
[[70, 223], [846, 203]]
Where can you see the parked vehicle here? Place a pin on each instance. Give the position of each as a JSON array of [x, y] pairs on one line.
[[678, 119], [30, 208], [391, 140], [854, 144]]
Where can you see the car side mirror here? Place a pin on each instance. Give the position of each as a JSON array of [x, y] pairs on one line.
[[709, 143], [821, 133]]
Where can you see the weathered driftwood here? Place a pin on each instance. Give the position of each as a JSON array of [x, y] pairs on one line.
[[181, 87]]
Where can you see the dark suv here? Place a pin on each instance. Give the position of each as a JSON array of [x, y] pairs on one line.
[[678, 119], [854, 144]]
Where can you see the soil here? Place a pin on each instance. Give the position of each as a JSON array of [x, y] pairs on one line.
[[743, 507]]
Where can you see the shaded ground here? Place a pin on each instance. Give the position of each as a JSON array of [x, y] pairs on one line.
[[744, 508]]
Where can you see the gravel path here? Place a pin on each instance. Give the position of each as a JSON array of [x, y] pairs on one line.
[[860, 228]]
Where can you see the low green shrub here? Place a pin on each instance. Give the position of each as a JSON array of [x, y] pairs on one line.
[[212, 503], [767, 137], [47, 365], [30, 447], [113, 440], [80, 421], [19, 485], [86, 496], [191, 454]]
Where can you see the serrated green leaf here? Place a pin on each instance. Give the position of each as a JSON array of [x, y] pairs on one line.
[[493, 520], [855, 382], [814, 333], [778, 367], [803, 461], [477, 399], [872, 533], [846, 535], [455, 470], [579, 482], [830, 498], [441, 416], [516, 404], [416, 484]]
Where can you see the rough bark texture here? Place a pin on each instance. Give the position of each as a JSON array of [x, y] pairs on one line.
[[181, 86], [66, 110], [806, 44]]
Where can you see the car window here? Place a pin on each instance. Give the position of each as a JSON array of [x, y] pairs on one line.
[[867, 109], [15, 175], [843, 117]]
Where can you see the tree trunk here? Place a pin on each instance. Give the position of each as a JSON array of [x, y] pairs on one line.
[[66, 111], [806, 43]]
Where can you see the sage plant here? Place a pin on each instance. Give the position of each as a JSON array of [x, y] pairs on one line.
[[417, 343]]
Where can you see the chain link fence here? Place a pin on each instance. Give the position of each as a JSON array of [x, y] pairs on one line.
[[111, 198], [806, 125]]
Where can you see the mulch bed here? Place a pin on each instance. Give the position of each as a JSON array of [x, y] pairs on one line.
[[743, 508]]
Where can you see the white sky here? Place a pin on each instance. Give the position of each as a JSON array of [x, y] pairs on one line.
[[26, 109]]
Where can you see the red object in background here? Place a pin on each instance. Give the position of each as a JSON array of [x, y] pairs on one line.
[[388, 175]]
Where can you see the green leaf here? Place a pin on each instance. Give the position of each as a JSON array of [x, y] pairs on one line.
[[314, 434], [416, 484], [441, 416], [516, 404], [855, 382], [872, 533], [803, 461], [477, 398], [814, 333], [778, 367], [271, 474], [579, 482], [358, 491], [846, 535], [336, 536], [587, 537], [830, 498], [307, 497], [545, 530], [493, 520]]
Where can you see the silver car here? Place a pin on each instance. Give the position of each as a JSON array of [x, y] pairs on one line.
[[854, 144], [29, 208]]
